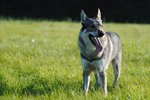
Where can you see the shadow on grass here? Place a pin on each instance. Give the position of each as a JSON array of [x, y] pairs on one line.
[[62, 85], [36, 87], [31, 83], [3, 85], [44, 86]]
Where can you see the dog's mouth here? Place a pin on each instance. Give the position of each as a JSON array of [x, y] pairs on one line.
[[96, 42]]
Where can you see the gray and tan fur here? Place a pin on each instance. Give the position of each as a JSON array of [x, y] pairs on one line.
[[98, 49]]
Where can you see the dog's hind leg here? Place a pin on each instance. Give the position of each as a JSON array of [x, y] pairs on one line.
[[116, 63], [86, 81]]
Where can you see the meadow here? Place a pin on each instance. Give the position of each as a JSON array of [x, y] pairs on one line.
[[40, 59]]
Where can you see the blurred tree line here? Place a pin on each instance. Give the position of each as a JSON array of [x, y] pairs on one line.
[[112, 10]]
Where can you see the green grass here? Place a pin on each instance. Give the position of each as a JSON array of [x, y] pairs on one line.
[[41, 60]]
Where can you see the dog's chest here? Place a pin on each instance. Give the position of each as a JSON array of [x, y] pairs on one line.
[[88, 44], [96, 66]]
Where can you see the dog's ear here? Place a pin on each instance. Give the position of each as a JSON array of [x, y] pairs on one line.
[[83, 16], [99, 14], [99, 17]]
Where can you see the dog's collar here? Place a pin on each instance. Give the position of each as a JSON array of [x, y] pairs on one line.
[[90, 60]]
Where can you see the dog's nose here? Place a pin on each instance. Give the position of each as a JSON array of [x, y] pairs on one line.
[[100, 33]]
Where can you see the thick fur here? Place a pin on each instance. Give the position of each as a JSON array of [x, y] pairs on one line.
[[97, 56]]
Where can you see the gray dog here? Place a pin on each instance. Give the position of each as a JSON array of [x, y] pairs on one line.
[[98, 49]]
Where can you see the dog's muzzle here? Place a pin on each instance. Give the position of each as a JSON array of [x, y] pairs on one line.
[[96, 41]]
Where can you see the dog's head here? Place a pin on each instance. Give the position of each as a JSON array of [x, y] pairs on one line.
[[92, 33]]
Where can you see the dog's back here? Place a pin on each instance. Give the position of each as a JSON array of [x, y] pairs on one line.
[[115, 39], [116, 55]]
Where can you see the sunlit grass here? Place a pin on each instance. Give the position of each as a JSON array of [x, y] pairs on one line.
[[41, 60]]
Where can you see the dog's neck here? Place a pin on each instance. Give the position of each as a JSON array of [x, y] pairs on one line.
[[91, 60]]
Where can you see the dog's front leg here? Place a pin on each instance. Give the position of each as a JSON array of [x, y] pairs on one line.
[[103, 78], [86, 81], [97, 83]]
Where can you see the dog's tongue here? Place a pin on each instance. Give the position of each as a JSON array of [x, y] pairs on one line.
[[97, 44]]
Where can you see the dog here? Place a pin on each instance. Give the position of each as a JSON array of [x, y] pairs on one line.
[[98, 49]]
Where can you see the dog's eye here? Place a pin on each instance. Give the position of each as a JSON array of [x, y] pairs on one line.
[[100, 33]]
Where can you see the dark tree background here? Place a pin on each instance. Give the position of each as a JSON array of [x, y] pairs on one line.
[[112, 10]]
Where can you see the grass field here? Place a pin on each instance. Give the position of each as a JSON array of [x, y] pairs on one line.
[[41, 60]]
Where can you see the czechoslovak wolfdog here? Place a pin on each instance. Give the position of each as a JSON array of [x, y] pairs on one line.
[[98, 49]]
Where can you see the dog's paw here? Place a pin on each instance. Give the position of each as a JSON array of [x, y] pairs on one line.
[[85, 93]]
